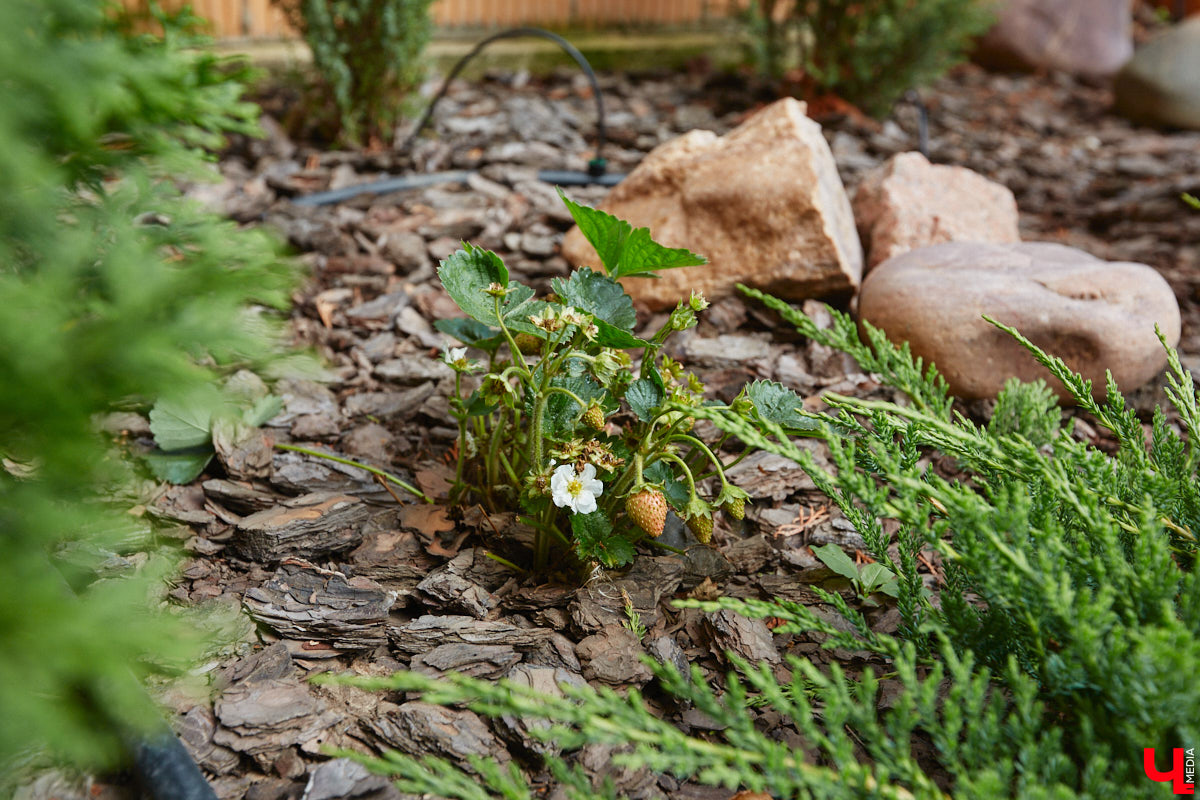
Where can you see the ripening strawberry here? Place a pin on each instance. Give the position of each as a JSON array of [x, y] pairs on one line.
[[648, 509], [594, 417], [701, 527], [736, 508]]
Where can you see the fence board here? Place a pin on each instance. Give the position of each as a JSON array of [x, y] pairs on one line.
[[260, 19]]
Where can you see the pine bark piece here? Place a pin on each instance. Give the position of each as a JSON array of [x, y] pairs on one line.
[[267, 716], [307, 603], [544, 680], [196, 731], [465, 583], [749, 638], [310, 526], [342, 778], [601, 601], [486, 661], [427, 632], [613, 657], [419, 728]]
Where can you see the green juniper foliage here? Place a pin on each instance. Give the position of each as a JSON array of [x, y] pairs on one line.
[[1063, 640], [368, 56], [867, 51], [114, 288]]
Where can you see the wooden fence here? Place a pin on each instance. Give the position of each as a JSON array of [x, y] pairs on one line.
[[259, 19]]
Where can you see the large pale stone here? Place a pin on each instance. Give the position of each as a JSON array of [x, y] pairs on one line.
[[1084, 37], [908, 203], [763, 203], [1093, 314], [1161, 83]]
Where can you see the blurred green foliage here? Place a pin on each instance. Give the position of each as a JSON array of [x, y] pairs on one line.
[[115, 290], [367, 54], [868, 52]]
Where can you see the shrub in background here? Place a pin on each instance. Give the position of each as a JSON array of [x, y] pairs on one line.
[[368, 56], [1064, 641], [113, 289], [868, 52]]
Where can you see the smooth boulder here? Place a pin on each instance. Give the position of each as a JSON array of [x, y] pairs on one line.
[[906, 203], [1094, 314], [1091, 38], [763, 203], [1161, 83]]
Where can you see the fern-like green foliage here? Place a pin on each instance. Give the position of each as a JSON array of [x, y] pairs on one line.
[[367, 54], [1062, 641], [1026, 409], [113, 287], [866, 51]]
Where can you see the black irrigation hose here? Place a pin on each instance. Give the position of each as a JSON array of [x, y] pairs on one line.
[[166, 770], [597, 164], [595, 174]]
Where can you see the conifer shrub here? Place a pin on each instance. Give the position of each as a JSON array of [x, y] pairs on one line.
[[1061, 643], [868, 52], [367, 54], [115, 292]]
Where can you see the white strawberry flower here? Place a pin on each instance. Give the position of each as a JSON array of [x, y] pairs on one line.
[[575, 490]]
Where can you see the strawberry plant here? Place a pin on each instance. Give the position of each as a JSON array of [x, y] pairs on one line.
[[574, 419]]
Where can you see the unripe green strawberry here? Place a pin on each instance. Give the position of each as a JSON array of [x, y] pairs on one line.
[[648, 509], [528, 344], [701, 527], [594, 417], [736, 508]]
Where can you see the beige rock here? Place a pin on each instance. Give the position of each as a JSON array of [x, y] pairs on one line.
[[764, 204], [1092, 38], [907, 203], [1093, 314]]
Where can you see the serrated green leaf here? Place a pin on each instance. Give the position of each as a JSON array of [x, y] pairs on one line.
[[606, 233], [598, 295], [836, 559], [467, 274], [471, 333], [776, 403], [562, 413], [674, 489], [642, 256], [623, 249], [178, 467], [183, 422], [266, 408], [595, 540], [610, 336], [644, 397]]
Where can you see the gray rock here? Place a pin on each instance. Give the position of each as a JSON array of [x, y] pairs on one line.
[[1161, 83], [1094, 314]]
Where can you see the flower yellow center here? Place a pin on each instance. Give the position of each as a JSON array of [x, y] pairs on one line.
[[574, 487]]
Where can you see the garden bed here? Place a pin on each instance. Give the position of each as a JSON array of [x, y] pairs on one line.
[[341, 577]]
